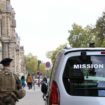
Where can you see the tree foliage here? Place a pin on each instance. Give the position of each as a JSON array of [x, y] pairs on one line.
[[53, 54], [100, 31], [33, 66], [31, 63], [43, 68], [81, 36]]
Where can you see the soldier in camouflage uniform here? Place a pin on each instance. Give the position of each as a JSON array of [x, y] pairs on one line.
[[10, 85]]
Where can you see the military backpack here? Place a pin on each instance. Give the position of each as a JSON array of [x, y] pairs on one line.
[[7, 81]]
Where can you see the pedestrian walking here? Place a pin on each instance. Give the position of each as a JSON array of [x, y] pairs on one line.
[[33, 81], [29, 81], [23, 81], [10, 86], [44, 87]]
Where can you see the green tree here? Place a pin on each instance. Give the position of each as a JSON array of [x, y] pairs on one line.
[[43, 68], [100, 31], [81, 37], [31, 63], [53, 54]]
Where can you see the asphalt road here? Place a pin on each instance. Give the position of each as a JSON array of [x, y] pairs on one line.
[[33, 97]]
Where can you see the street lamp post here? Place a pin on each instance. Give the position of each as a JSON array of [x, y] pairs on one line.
[[38, 72]]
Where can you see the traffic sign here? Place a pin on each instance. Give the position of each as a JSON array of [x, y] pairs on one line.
[[48, 65]]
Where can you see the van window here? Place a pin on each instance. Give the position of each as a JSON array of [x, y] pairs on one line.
[[85, 76]]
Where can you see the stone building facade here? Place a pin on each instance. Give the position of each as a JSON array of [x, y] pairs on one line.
[[9, 39]]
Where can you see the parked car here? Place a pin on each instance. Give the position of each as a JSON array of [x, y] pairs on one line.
[[78, 78]]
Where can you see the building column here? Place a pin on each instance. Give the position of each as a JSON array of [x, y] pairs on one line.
[[17, 60], [12, 54], [5, 49], [4, 26]]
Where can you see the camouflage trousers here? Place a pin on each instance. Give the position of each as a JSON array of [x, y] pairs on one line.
[[8, 100]]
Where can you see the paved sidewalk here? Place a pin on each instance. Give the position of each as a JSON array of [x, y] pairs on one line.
[[33, 97]]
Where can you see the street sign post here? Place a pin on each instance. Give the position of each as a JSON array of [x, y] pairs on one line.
[[48, 65]]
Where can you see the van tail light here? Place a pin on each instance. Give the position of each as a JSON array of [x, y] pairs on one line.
[[103, 52], [54, 95]]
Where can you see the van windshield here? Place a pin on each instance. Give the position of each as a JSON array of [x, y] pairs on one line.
[[85, 76]]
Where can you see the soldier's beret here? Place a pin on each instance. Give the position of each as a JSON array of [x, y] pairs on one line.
[[6, 61]]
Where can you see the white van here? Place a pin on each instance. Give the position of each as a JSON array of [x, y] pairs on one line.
[[78, 78]]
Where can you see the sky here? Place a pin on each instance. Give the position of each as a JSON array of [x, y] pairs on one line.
[[43, 25]]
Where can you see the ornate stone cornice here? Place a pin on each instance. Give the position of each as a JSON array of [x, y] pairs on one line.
[[7, 39], [4, 39]]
